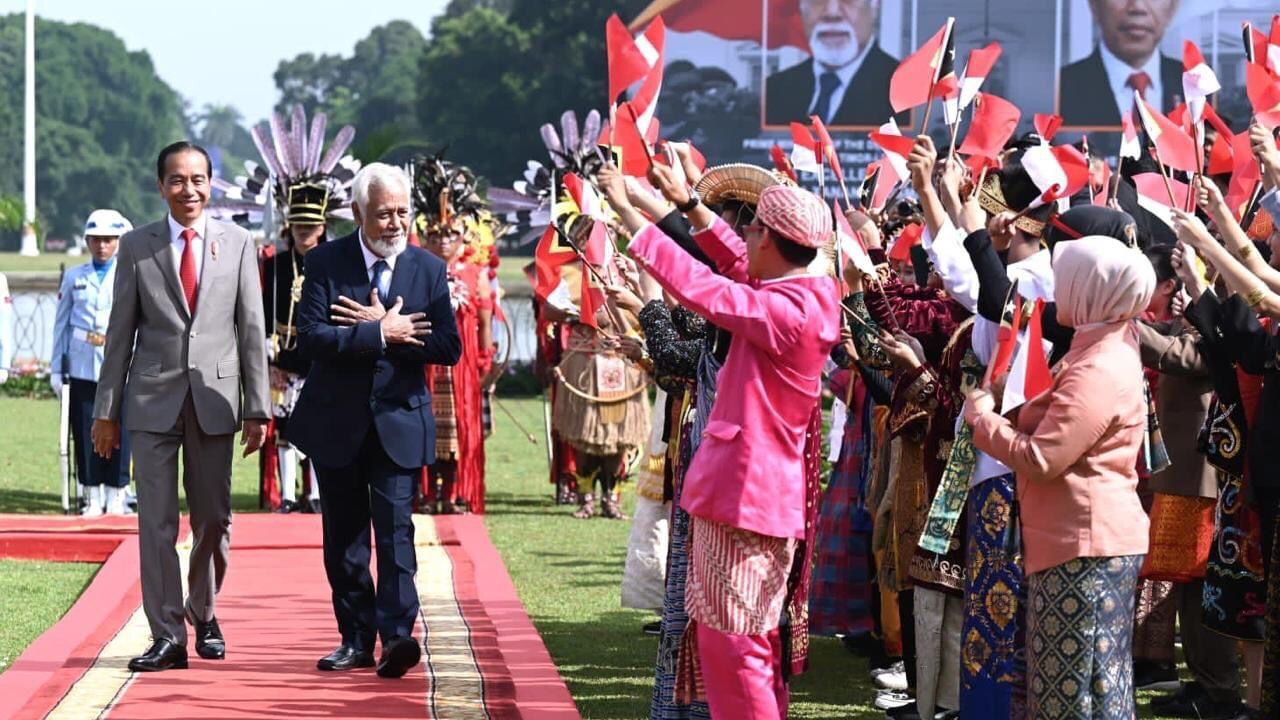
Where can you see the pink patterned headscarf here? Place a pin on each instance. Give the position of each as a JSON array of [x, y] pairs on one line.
[[796, 214]]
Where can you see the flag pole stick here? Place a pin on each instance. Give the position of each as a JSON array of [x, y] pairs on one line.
[[1164, 175], [609, 306]]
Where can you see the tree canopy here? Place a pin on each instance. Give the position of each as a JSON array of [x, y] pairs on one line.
[[489, 78], [374, 89], [102, 115]]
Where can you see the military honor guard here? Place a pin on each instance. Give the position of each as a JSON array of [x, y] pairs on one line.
[[79, 336]]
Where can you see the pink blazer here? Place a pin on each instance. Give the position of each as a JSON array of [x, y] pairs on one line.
[[1073, 450], [749, 470]]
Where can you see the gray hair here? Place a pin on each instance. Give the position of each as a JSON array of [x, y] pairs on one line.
[[377, 175]]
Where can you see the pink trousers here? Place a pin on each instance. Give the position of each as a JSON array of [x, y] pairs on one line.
[[742, 674]]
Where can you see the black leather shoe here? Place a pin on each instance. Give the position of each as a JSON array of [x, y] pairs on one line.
[[288, 506], [345, 658], [398, 655], [209, 642], [164, 654]]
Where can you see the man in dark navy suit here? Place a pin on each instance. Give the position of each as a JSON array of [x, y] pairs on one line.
[[1096, 90], [364, 416], [846, 82]]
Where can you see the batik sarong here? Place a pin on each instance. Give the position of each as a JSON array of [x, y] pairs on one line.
[[1080, 639], [993, 663]]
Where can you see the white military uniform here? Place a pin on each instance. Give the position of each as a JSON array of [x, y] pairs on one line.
[[79, 339]]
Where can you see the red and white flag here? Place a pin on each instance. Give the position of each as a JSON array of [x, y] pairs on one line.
[[994, 122], [628, 64], [1154, 195], [827, 146], [805, 152], [1175, 148], [1047, 125], [976, 70], [850, 243], [1130, 146], [1029, 377], [1198, 81], [896, 147], [1273, 45], [1263, 89], [1058, 172], [922, 75], [652, 45], [782, 163]]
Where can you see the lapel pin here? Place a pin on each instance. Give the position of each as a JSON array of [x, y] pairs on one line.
[[213, 249]]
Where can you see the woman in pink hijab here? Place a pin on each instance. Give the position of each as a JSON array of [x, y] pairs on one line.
[[1073, 450]]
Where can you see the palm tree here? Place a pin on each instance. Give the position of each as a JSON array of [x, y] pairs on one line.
[[11, 212], [218, 124]]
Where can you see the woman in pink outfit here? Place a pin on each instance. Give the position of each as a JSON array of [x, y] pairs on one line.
[[1073, 450]]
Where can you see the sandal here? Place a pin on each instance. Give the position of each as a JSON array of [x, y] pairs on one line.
[[611, 509], [586, 507]]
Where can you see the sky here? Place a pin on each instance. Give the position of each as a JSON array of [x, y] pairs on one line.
[[247, 38]]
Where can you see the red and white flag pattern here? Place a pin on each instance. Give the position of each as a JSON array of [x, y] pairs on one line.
[[805, 152], [850, 243]]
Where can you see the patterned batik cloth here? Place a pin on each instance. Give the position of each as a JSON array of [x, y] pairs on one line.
[[993, 667], [663, 705], [1181, 536], [1235, 588], [445, 411], [737, 580], [840, 594], [1080, 639], [1155, 612]]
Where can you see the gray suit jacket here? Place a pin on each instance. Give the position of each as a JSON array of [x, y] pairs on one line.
[[164, 352]]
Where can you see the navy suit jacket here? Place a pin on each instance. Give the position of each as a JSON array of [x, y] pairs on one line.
[[354, 382], [789, 92], [1084, 93]]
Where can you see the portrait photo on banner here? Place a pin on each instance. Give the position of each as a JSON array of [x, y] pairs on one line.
[[833, 59], [1107, 49]]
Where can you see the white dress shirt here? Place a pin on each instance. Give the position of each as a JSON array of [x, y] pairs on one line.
[[1118, 72], [369, 260], [178, 244], [845, 74], [952, 263]]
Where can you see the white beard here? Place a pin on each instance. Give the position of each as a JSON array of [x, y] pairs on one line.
[[386, 246], [834, 57]]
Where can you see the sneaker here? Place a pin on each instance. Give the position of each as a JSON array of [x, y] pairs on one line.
[[890, 699], [893, 677], [653, 628], [1149, 675]]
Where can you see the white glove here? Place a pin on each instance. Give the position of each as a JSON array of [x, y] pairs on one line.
[[55, 382]]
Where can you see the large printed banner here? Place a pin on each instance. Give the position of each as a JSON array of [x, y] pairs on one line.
[[739, 71]]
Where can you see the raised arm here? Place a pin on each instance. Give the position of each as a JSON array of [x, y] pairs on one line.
[[763, 318]]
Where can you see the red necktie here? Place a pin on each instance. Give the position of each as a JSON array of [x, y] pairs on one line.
[[1139, 81], [187, 269]]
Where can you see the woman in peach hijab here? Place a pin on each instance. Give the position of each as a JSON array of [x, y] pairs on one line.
[[1073, 449]]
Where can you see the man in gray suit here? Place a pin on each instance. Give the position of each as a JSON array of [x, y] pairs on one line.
[[187, 330]]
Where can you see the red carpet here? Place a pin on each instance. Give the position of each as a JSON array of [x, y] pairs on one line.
[[483, 659]]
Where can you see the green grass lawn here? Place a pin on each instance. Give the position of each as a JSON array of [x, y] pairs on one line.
[[566, 571], [35, 595], [44, 262]]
